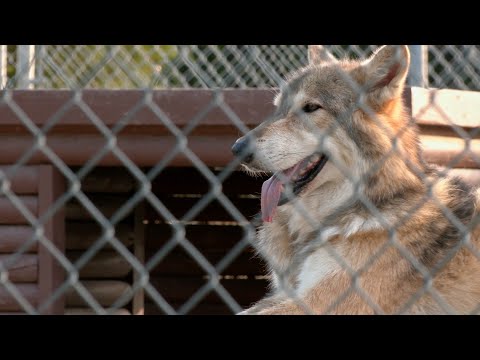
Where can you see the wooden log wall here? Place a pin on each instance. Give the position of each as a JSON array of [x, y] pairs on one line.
[[34, 272], [107, 275], [214, 232], [33, 269]]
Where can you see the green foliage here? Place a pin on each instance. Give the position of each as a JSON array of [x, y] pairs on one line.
[[103, 66]]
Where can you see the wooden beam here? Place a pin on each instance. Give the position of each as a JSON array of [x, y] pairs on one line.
[[29, 291], [82, 235], [51, 273], [24, 180], [146, 140], [23, 270], [107, 204], [139, 252], [443, 150], [106, 264], [109, 180], [252, 105], [88, 311], [446, 107], [10, 213], [14, 236], [106, 292]]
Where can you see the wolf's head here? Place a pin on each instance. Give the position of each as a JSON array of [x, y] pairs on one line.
[[334, 121]]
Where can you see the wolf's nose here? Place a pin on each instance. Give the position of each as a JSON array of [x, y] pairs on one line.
[[242, 149]]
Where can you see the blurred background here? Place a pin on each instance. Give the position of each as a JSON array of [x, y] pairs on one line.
[[201, 66]]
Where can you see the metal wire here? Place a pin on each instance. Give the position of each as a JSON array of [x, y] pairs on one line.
[[79, 67]]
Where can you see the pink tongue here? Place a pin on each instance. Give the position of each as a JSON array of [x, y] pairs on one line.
[[271, 191]]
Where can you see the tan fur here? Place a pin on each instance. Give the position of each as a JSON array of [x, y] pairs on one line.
[[328, 236]]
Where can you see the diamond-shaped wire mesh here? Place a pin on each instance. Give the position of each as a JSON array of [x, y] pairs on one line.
[[210, 66], [182, 232]]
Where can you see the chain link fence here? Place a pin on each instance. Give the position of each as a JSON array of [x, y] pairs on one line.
[[195, 66], [124, 223]]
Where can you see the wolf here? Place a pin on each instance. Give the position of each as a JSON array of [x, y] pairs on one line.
[[354, 221]]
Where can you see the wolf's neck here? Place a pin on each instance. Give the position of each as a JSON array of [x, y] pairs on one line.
[[396, 176], [399, 166], [307, 213]]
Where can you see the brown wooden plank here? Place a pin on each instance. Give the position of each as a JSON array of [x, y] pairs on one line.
[[106, 292], [147, 147], [213, 211], [236, 183], [111, 105], [106, 264], [22, 268], [12, 237], [448, 131], [29, 291], [88, 311], [241, 183], [51, 272], [138, 303], [108, 204], [179, 263], [10, 214], [13, 313], [109, 180], [205, 237], [201, 309], [442, 150], [445, 106], [82, 235], [179, 290], [143, 150], [252, 106], [23, 180]]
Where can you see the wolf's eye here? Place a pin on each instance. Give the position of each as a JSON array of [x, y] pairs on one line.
[[310, 107]]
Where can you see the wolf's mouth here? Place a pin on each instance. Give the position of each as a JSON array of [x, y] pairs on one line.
[[298, 176]]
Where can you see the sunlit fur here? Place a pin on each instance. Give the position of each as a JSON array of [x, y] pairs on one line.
[[375, 180]]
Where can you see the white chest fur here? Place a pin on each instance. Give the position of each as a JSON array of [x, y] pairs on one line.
[[327, 260], [318, 266]]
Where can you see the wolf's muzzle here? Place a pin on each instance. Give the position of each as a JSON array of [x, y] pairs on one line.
[[243, 149]]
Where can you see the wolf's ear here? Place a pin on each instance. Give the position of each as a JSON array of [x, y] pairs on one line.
[[317, 54], [386, 71]]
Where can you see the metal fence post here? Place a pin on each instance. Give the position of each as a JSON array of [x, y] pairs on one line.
[[39, 66], [3, 66], [25, 66], [418, 75]]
